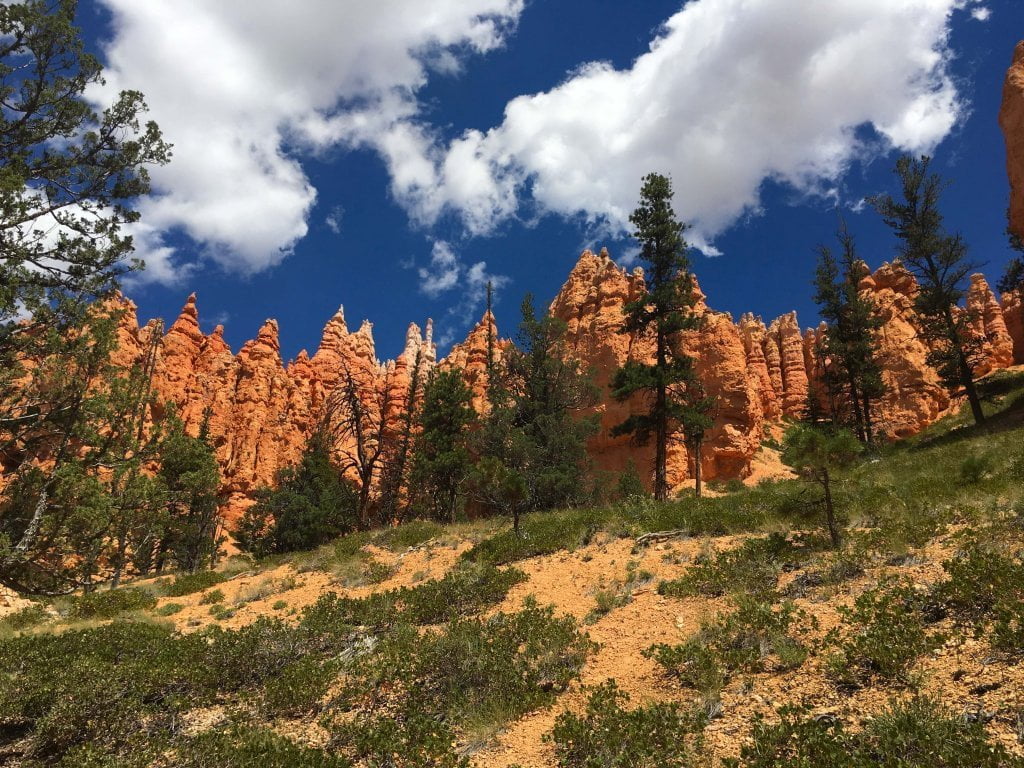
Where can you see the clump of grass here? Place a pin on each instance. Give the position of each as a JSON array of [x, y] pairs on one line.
[[608, 735], [109, 603], [169, 609], [882, 635], [410, 534], [542, 534], [279, 605]]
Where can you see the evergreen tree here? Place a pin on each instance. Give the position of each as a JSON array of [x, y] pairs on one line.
[[191, 477], [816, 453], [851, 374], [311, 505], [395, 475], [441, 459], [695, 421], [533, 442], [939, 262], [661, 314]]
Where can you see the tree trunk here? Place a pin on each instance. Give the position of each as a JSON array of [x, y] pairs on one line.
[[515, 521], [830, 515], [661, 431]]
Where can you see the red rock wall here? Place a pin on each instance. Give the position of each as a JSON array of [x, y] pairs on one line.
[[1011, 119]]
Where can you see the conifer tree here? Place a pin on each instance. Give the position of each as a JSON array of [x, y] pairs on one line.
[[851, 374], [1012, 280], [395, 473], [441, 459], [661, 314], [311, 505], [939, 262]]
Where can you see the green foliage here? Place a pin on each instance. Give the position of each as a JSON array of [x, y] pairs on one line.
[[191, 475], [441, 458], [311, 505], [816, 453], [979, 581], [850, 372], [463, 591], [541, 534], [169, 609], [25, 618], [739, 641], [107, 604], [629, 485], [243, 747], [939, 262], [609, 736], [533, 442], [919, 733], [297, 688], [884, 633], [974, 469], [669, 384], [752, 568], [189, 583], [212, 597]]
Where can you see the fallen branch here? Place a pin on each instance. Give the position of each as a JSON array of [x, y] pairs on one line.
[[658, 536]]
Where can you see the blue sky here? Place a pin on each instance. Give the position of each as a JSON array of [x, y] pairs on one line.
[[391, 158]]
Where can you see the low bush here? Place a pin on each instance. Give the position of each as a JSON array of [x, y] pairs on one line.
[[978, 582], [212, 598], [169, 609], [542, 534], [29, 616], [919, 733], [609, 736], [189, 583], [743, 640], [109, 603], [882, 634], [242, 747], [752, 568]]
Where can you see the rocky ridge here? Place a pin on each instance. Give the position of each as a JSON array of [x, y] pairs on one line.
[[260, 410]]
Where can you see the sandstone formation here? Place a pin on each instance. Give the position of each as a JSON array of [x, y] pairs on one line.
[[1011, 119]]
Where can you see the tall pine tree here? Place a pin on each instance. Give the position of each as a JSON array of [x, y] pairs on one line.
[[661, 314], [851, 374], [939, 262]]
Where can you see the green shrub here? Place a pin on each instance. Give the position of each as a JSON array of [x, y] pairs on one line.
[[297, 688], [609, 736], [739, 641], [109, 603], [212, 598], [189, 583], [410, 534], [883, 634], [752, 568], [408, 740], [1008, 629], [466, 589], [919, 733], [243, 747], [975, 468], [541, 534], [169, 609], [978, 581], [29, 616]]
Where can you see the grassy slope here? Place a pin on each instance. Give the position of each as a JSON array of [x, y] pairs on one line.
[[910, 509]]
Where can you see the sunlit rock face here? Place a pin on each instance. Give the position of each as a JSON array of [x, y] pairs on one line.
[[1011, 119]]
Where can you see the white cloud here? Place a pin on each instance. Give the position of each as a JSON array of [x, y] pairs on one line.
[[443, 273], [237, 85], [334, 218], [731, 92], [981, 13]]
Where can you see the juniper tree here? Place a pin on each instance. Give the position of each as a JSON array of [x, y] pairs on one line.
[[851, 373], [660, 314], [939, 262]]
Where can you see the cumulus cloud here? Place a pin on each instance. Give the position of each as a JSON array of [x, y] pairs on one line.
[[981, 13], [242, 87], [730, 93], [443, 273]]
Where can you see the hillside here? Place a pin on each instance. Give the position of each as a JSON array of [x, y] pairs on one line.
[[424, 645]]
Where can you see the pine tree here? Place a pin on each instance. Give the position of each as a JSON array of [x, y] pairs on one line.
[[661, 314], [1012, 280], [441, 459], [533, 441], [191, 477], [697, 418], [851, 374], [311, 505], [939, 262], [816, 453]]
